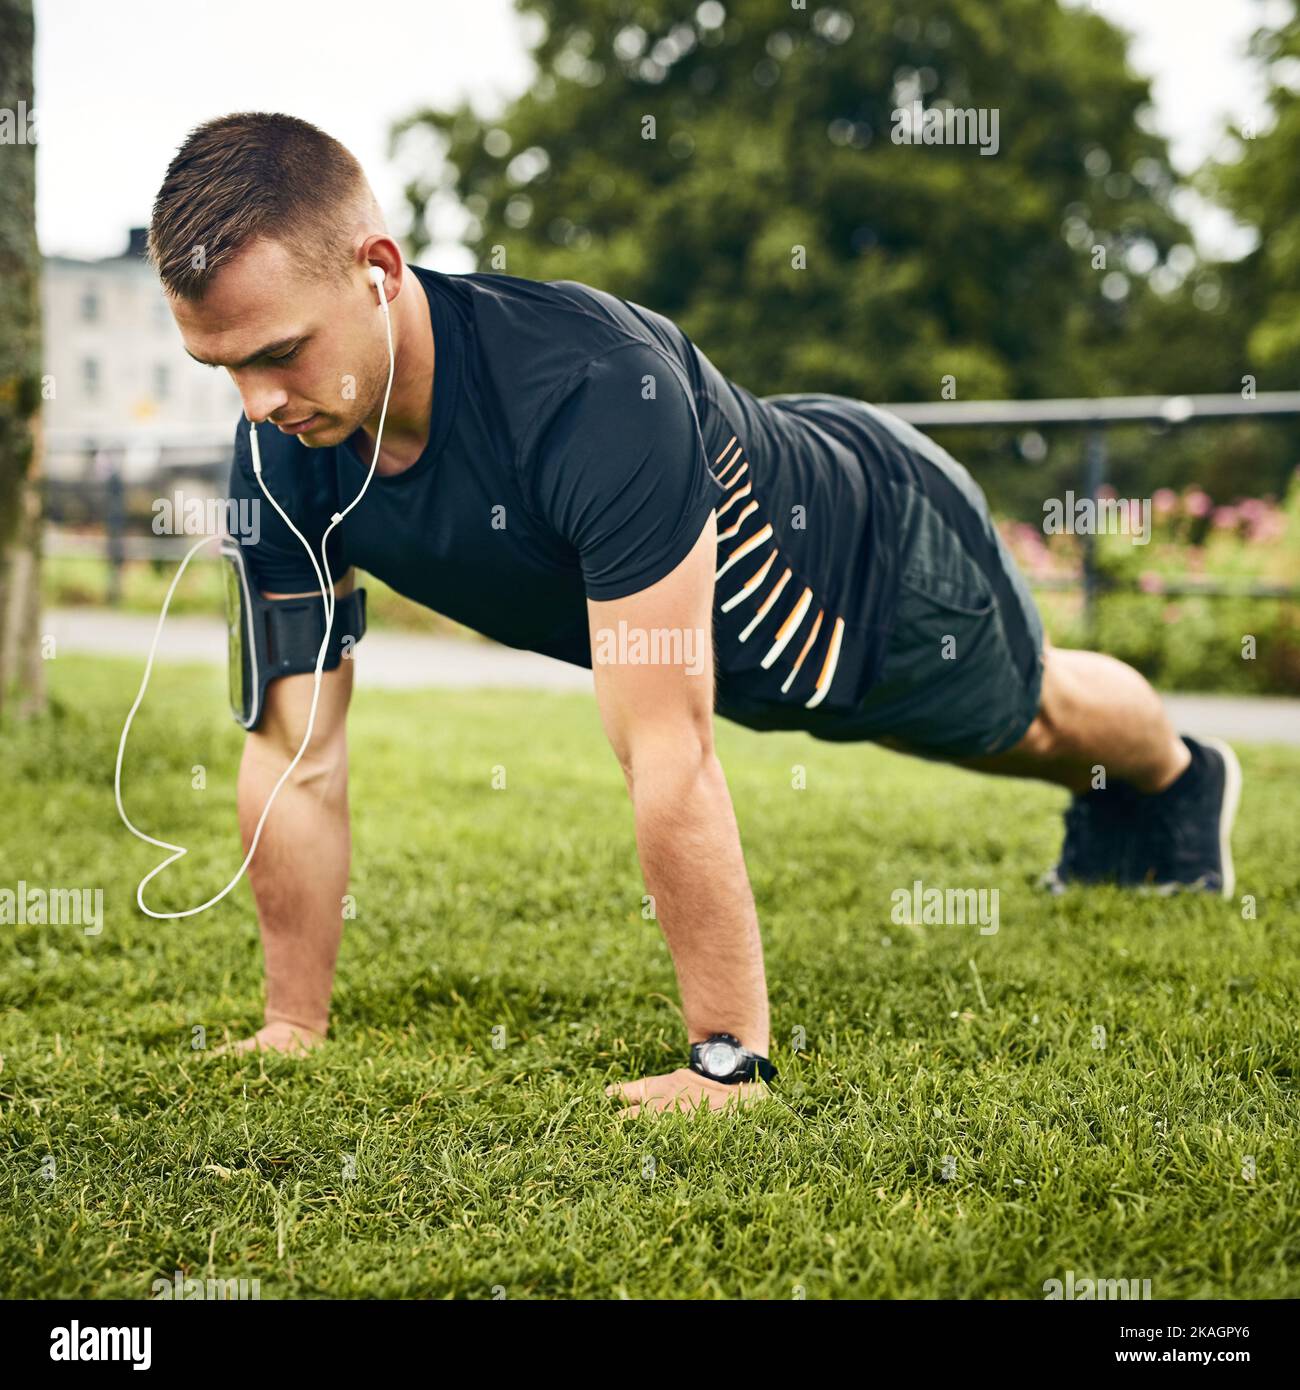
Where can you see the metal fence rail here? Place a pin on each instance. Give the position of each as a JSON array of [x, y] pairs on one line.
[[1094, 415], [1103, 410]]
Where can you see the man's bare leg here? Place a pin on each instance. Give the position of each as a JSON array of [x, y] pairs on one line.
[[1094, 711], [1097, 715]]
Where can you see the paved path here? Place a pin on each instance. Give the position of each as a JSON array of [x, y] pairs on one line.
[[391, 660], [398, 660]]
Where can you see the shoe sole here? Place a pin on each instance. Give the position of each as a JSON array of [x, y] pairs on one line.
[[1227, 810]]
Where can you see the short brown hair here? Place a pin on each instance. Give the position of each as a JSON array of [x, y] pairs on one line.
[[250, 175]]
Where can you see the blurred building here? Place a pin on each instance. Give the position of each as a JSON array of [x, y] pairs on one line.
[[122, 380]]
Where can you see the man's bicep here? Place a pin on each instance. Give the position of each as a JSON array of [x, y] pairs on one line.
[[652, 659], [342, 588]]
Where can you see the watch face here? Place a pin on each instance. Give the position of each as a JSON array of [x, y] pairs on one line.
[[720, 1058]]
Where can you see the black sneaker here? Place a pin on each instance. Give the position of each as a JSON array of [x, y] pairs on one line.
[[1186, 830], [1177, 838], [1100, 839]]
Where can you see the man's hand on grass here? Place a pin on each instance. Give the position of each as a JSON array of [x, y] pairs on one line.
[[292, 1038], [683, 1090]]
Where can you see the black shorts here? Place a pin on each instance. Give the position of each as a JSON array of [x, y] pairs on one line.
[[963, 667], [962, 670]]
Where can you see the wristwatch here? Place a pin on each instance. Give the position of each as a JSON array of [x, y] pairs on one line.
[[722, 1058]]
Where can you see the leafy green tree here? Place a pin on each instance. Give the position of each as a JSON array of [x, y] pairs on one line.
[[1259, 186], [735, 167], [681, 155]]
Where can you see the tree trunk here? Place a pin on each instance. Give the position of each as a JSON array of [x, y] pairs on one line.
[[22, 683]]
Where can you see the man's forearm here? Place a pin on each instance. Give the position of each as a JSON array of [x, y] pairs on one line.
[[695, 870], [299, 876]]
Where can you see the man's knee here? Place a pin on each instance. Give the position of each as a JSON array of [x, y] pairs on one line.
[[1040, 740]]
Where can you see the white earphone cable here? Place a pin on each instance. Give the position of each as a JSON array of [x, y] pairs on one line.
[[327, 595]]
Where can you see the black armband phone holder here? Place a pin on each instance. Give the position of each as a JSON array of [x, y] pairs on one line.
[[274, 637]]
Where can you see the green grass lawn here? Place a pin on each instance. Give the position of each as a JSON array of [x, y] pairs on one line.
[[481, 1168]]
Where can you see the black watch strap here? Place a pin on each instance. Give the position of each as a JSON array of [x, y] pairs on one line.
[[749, 1064]]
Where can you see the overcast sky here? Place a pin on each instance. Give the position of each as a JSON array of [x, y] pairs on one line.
[[118, 85]]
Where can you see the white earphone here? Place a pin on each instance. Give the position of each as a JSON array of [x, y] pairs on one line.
[[326, 580]]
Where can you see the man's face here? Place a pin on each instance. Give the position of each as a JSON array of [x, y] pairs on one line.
[[328, 337]]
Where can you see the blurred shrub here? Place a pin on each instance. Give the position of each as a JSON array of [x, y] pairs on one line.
[[1185, 641]]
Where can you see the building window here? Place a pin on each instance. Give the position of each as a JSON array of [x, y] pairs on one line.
[[160, 382], [90, 376], [90, 305]]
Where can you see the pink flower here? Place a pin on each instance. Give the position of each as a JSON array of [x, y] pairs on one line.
[[1149, 582], [1225, 518], [1164, 500], [1197, 502], [1252, 508], [1269, 527]]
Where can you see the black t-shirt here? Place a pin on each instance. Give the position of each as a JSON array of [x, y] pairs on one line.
[[577, 445]]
